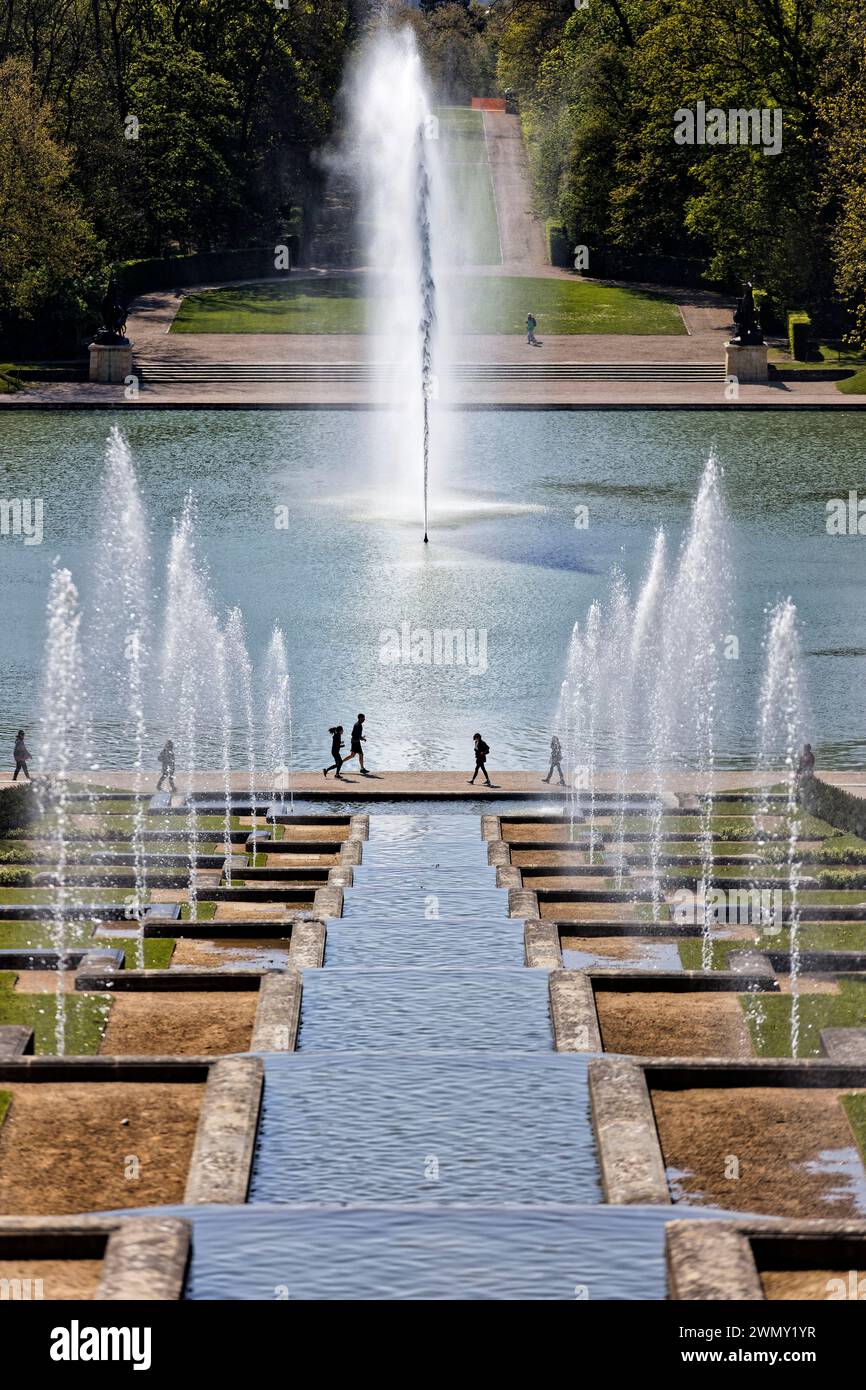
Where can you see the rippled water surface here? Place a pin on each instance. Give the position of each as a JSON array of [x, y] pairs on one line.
[[504, 558]]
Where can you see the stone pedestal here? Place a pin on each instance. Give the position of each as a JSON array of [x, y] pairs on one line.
[[748, 363], [110, 363]]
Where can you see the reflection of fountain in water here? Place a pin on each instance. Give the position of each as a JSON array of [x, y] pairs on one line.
[[782, 723], [118, 633], [63, 709]]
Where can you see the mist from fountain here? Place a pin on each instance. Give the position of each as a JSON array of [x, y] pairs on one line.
[[391, 151], [782, 724], [191, 637], [118, 633], [643, 681], [240, 674], [63, 723], [278, 714]]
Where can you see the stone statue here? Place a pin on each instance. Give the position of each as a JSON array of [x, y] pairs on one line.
[[113, 330], [747, 320]]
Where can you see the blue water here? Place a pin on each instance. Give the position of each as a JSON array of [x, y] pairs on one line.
[[507, 559]]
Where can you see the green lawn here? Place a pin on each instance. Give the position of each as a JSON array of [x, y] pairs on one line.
[[37, 936], [86, 1017], [853, 385], [855, 1109], [483, 304], [5, 1102], [769, 1018], [829, 936]]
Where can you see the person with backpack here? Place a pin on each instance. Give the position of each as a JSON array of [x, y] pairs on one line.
[[481, 751], [21, 756], [336, 733], [531, 325], [555, 761], [166, 762]]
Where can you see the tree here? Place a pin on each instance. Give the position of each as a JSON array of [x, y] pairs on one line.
[[51, 263]]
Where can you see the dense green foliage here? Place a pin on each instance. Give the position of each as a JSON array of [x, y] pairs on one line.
[[134, 128], [598, 89]]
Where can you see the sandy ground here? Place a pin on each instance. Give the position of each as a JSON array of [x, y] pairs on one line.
[[44, 981], [61, 1279], [616, 947], [601, 883], [215, 955], [255, 912], [301, 861], [784, 1139], [64, 1147], [587, 912], [812, 1284], [539, 858], [194, 1023], [650, 1024]]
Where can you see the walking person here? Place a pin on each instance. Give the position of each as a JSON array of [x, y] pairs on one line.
[[21, 756], [166, 762], [355, 749], [336, 744], [531, 325], [481, 751], [555, 761]]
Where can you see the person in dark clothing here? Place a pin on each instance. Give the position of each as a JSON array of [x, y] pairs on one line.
[[555, 761], [336, 744], [531, 325], [21, 756], [806, 765], [166, 762], [355, 750], [481, 751]]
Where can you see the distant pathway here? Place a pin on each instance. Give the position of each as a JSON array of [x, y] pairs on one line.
[[521, 234]]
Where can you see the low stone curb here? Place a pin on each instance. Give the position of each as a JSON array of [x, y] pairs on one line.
[[573, 1012], [630, 1156], [144, 1258], [359, 827], [720, 1260], [222, 1156], [181, 979], [307, 946], [351, 852], [16, 1040], [541, 946], [490, 828], [341, 876], [508, 876], [845, 1044], [498, 852], [522, 902], [278, 1013], [328, 902], [680, 981]]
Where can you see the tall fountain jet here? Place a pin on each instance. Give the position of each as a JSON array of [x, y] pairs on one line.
[[393, 135]]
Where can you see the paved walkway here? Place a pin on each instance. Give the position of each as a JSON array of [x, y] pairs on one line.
[[454, 784], [521, 235]]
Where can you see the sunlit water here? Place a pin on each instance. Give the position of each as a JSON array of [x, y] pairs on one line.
[[512, 563]]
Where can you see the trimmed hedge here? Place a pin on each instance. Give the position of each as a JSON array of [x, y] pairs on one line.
[[559, 246], [799, 335], [15, 878], [251, 263], [17, 808], [833, 805]]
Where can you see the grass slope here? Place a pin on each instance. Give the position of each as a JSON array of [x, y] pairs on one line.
[[482, 304]]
